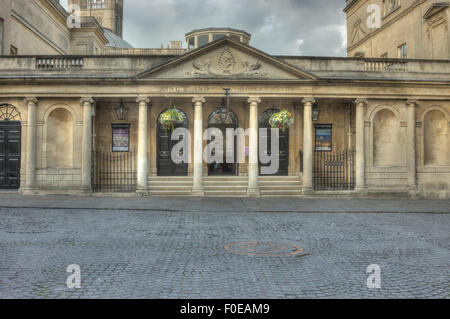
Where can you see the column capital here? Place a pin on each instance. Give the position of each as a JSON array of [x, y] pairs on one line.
[[361, 101], [309, 99], [198, 99], [30, 99], [412, 102], [254, 99], [143, 98], [87, 99]]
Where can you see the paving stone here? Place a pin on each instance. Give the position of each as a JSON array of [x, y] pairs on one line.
[[160, 254]]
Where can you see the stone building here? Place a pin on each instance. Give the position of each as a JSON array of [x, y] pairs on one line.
[[408, 29], [84, 123]]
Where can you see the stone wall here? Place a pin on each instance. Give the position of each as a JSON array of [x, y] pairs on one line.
[[425, 38]]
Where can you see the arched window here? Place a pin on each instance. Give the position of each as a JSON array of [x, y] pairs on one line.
[[223, 115], [9, 112], [265, 117]]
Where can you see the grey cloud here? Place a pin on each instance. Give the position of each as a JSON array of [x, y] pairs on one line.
[[292, 27]]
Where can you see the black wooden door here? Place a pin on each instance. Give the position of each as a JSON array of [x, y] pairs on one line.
[[10, 134], [224, 168], [166, 167], [283, 151]]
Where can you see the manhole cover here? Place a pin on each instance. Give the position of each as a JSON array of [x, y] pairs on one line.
[[264, 249]]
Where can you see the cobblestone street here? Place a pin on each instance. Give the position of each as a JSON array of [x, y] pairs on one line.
[[151, 254]]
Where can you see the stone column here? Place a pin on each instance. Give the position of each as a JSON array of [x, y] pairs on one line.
[[86, 149], [197, 187], [360, 162], [142, 167], [30, 182], [253, 160], [308, 145], [411, 147]]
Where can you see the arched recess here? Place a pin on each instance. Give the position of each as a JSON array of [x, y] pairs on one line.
[[59, 138], [165, 165], [436, 138], [386, 139]]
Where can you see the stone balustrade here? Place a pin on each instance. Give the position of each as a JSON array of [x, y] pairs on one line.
[[58, 63]]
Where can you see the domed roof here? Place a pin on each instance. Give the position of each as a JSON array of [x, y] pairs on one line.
[[114, 41]]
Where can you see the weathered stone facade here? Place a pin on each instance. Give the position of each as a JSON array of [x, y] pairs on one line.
[[389, 122], [379, 28], [398, 122]]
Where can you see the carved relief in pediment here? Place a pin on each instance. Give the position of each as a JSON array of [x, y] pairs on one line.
[[227, 64]]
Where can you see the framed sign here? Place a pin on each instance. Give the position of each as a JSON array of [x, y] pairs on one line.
[[324, 137], [120, 137]]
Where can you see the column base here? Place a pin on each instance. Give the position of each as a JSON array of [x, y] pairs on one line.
[[308, 191], [253, 192], [86, 190], [413, 192], [198, 193], [361, 191], [142, 192], [29, 191]]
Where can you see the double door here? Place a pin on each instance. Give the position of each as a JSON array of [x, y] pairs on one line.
[[10, 142]]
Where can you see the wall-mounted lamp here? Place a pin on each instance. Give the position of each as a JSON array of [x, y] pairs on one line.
[[315, 112], [121, 111]]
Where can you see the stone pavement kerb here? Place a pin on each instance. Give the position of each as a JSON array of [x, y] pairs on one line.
[[194, 204]]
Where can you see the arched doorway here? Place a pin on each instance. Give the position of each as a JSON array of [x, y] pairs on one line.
[[10, 147], [165, 165], [266, 135], [222, 119]]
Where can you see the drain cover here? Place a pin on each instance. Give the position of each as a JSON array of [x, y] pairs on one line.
[[264, 249]]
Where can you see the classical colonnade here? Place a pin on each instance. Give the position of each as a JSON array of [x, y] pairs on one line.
[[87, 104]]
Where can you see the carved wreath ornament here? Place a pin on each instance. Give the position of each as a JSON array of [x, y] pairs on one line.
[[226, 63]]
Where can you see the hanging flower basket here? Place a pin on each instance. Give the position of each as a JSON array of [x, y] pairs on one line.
[[169, 118], [281, 120]]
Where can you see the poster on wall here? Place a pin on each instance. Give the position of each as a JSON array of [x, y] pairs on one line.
[[121, 137], [323, 138]]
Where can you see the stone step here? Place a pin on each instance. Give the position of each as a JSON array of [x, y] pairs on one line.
[[169, 178], [279, 178], [170, 187], [170, 183], [280, 188], [281, 183], [225, 187]]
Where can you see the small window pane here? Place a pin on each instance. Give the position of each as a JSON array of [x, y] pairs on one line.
[[402, 51], [191, 44], [218, 36], [202, 40]]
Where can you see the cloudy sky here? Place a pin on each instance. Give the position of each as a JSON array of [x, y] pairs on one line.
[[288, 27]]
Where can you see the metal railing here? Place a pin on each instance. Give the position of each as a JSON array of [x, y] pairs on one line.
[[334, 171], [114, 172]]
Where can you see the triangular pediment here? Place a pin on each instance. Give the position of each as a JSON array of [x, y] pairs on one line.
[[435, 8], [226, 59]]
